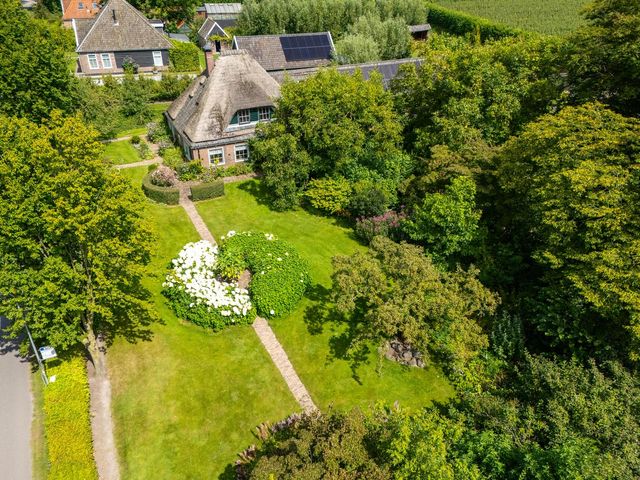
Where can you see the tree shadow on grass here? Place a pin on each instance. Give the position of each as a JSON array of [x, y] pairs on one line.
[[257, 190], [323, 315]]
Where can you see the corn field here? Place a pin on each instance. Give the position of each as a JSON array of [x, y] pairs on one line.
[[554, 17]]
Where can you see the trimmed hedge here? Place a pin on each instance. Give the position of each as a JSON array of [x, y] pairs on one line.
[[67, 423], [207, 190], [460, 23], [167, 195], [184, 56], [279, 276]]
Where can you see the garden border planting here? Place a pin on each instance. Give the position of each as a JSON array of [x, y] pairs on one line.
[[167, 195]]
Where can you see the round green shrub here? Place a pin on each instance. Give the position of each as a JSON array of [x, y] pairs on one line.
[[279, 276]]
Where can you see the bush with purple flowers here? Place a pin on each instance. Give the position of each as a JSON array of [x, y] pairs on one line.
[[386, 225]]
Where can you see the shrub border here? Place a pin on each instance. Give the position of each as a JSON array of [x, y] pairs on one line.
[[166, 195]]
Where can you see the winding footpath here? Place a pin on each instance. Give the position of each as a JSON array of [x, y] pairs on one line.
[[16, 411]]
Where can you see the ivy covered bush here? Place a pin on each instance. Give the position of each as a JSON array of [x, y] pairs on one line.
[[279, 276]]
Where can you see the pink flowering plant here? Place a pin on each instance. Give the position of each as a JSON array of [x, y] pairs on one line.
[[386, 225]]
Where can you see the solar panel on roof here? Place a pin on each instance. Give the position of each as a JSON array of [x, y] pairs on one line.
[[306, 47]]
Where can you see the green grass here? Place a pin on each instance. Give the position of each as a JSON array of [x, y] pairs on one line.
[[134, 126], [554, 17], [120, 152], [314, 346], [187, 400]]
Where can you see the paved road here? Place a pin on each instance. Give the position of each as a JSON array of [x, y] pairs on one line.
[[15, 412]]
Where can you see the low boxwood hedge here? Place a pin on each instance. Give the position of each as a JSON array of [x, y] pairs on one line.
[[67, 423], [168, 195], [207, 190], [279, 276], [460, 23]]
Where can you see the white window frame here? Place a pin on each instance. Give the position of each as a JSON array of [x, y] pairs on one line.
[[264, 114], [242, 113], [237, 148], [94, 57], [211, 152], [157, 58], [107, 57]]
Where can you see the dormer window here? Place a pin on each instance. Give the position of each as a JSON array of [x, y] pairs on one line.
[[244, 116], [264, 114], [80, 5]]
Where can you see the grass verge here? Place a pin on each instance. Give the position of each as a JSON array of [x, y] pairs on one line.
[[38, 438], [67, 423]]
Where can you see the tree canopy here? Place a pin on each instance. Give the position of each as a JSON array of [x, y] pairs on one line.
[[571, 182], [604, 55], [330, 125], [34, 71], [73, 242]]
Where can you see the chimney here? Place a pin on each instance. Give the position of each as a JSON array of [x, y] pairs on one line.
[[115, 19], [210, 60]]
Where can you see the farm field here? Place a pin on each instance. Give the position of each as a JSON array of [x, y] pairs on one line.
[[553, 17]]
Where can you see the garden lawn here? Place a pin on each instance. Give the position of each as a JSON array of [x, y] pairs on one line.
[[120, 152], [187, 400], [134, 126], [553, 17], [313, 345]]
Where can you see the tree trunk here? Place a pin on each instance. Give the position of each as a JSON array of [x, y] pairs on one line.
[[95, 352]]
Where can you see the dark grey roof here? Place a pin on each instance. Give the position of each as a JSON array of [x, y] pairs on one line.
[[120, 27], [226, 22], [81, 27], [210, 27], [202, 113], [223, 8], [388, 69], [269, 52], [425, 27], [180, 37]]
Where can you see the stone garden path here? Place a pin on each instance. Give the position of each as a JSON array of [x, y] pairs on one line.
[[260, 325], [141, 163]]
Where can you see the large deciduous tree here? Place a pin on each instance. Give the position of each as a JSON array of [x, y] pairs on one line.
[[395, 291], [571, 189], [604, 61], [34, 70], [73, 240], [330, 125]]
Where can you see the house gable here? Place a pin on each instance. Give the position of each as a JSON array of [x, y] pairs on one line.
[[120, 27]]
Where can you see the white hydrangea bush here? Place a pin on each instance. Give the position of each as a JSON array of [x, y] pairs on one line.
[[198, 295]]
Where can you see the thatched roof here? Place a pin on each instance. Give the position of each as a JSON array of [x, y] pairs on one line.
[[120, 27], [203, 112]]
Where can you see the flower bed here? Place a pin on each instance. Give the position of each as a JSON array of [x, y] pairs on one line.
[[202, 285], [196, 294], [279, 276]]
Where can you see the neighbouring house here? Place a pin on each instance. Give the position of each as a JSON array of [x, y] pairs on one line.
[[211, 28], [120, 34], [288, 52], [226, 14], [420, 32], [216, 116], [78, 9]]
